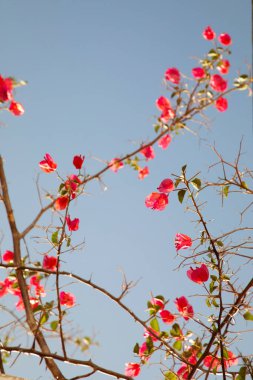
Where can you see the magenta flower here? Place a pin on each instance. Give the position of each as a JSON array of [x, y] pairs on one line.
[[198, 275]]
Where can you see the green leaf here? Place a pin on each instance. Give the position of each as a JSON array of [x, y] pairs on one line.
[[157, 128], [242, 374], [44, 318], [170, 376], [214, 278], [136, 349], [244, 185], [208, 302], [248, 316], [225, 191], [175, 331], [178, 345], [225, 353], [181, 195], [196, 183], [177, 182], [213, 54], [54, 238], [155, 325], [184, 169], [68, 241], [54, 325], [219, 243]]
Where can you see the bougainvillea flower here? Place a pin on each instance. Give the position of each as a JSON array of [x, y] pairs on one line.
[[223, 66], [67, 299], [221, 104], [143, 352], [132, 369], [78, 161], [39, 289], [72, 184], [152, 336], [73, 225], [48, 165], [184, 308], [61, 203], [8, 256], [218, 83], [5, 89], [199, 274], [208, 33], [163, 103], [164, 141], [182, 242], [158, 303], [35, 280], [143, 172], [16, 109], [225, 39], [167, 114], [173, 75], [198, 73], [167, 316], [211, 362], [166, 186], [232, 359], [183, 372], [34, 302], [157, 201], [116, 164], [50, 263], [3, 289], [148, 153]]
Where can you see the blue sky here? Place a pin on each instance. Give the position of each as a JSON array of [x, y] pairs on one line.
[[94, 70]]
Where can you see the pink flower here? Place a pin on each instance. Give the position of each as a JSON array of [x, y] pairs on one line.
[[50, 263], [3, 289], [167, 317], [16, 109], [182, 242], [172, 74], [72, 184], [218, 83], [153, 337], [211, 362], [148, 153], [232, 360], [73, 225], [164, 141], [162, 103], [48, 165], [67, 299], [34, 302], [223, 66], [208, 33], [158, 303], [8, 256], [143, 172], [225, 39], [61, 203], [157, 201], [184, 308], [132, 369], [198, 73], [6, 87], [221, 104], [198, 275], [116, 164], [78, 161], [166, 186], [143, 352], [183, 372]]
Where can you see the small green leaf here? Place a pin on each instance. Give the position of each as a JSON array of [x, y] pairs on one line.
[[54, 237], [178, 345], [248, 316], [44, 318], [157, 128], [214, 278], [170, 376], [219, 243], [177, 182], [181, 195], [175, 331], [242, 374], [184, 169], [68, 241], [155, 325], [215, 304], [196, 182], [136, 349], [208, 302], [213, 54], [54, 325], [225, 353], [244, 185], [225, 191]]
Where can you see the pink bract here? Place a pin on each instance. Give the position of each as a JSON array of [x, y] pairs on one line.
[[198, 73], [148, 153], [208, 33], [163, 103], [116, 164], [199, 274], [61, 203], [182, 241], [157, 201], [223, 66], [173, 75], [221, 104], [78, 161], [225, 39], [16, 108], [143, 172], [6, 88], [8, 256], [157, 302], [73, 225], [218, 83], [50, 263], [166, 186], [48, 165], [167, 316], [184, 308], [164, 141], [132, 369], [67, 299]]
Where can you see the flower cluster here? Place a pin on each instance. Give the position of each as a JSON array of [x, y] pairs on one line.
[[7, 86], [158, 201]]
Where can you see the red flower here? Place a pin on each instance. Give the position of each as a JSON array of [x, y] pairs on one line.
[[50, 263], [143, 352], [164, 141], [3, 289], [147, 334], [73, 225], [221, 104], [183, 372], [148, 153], [182, 242], [166, 186], [116, 164], [61, 203], [198, 275], [48, 165], [173, 75], [211, 362], [67, 299], [143, 172], [158, 303], [225, 39], [208, 33], [71, 185], [184, 308], [8, 256], [162, 103], [167, 317], [232, 360], [16, 109], [132, 369], [5, 89], [218, 83], [223, 66], [198, 72], [157, 201], [78, 161]]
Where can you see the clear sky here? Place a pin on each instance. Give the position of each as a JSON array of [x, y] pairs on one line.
[[94, 70]]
